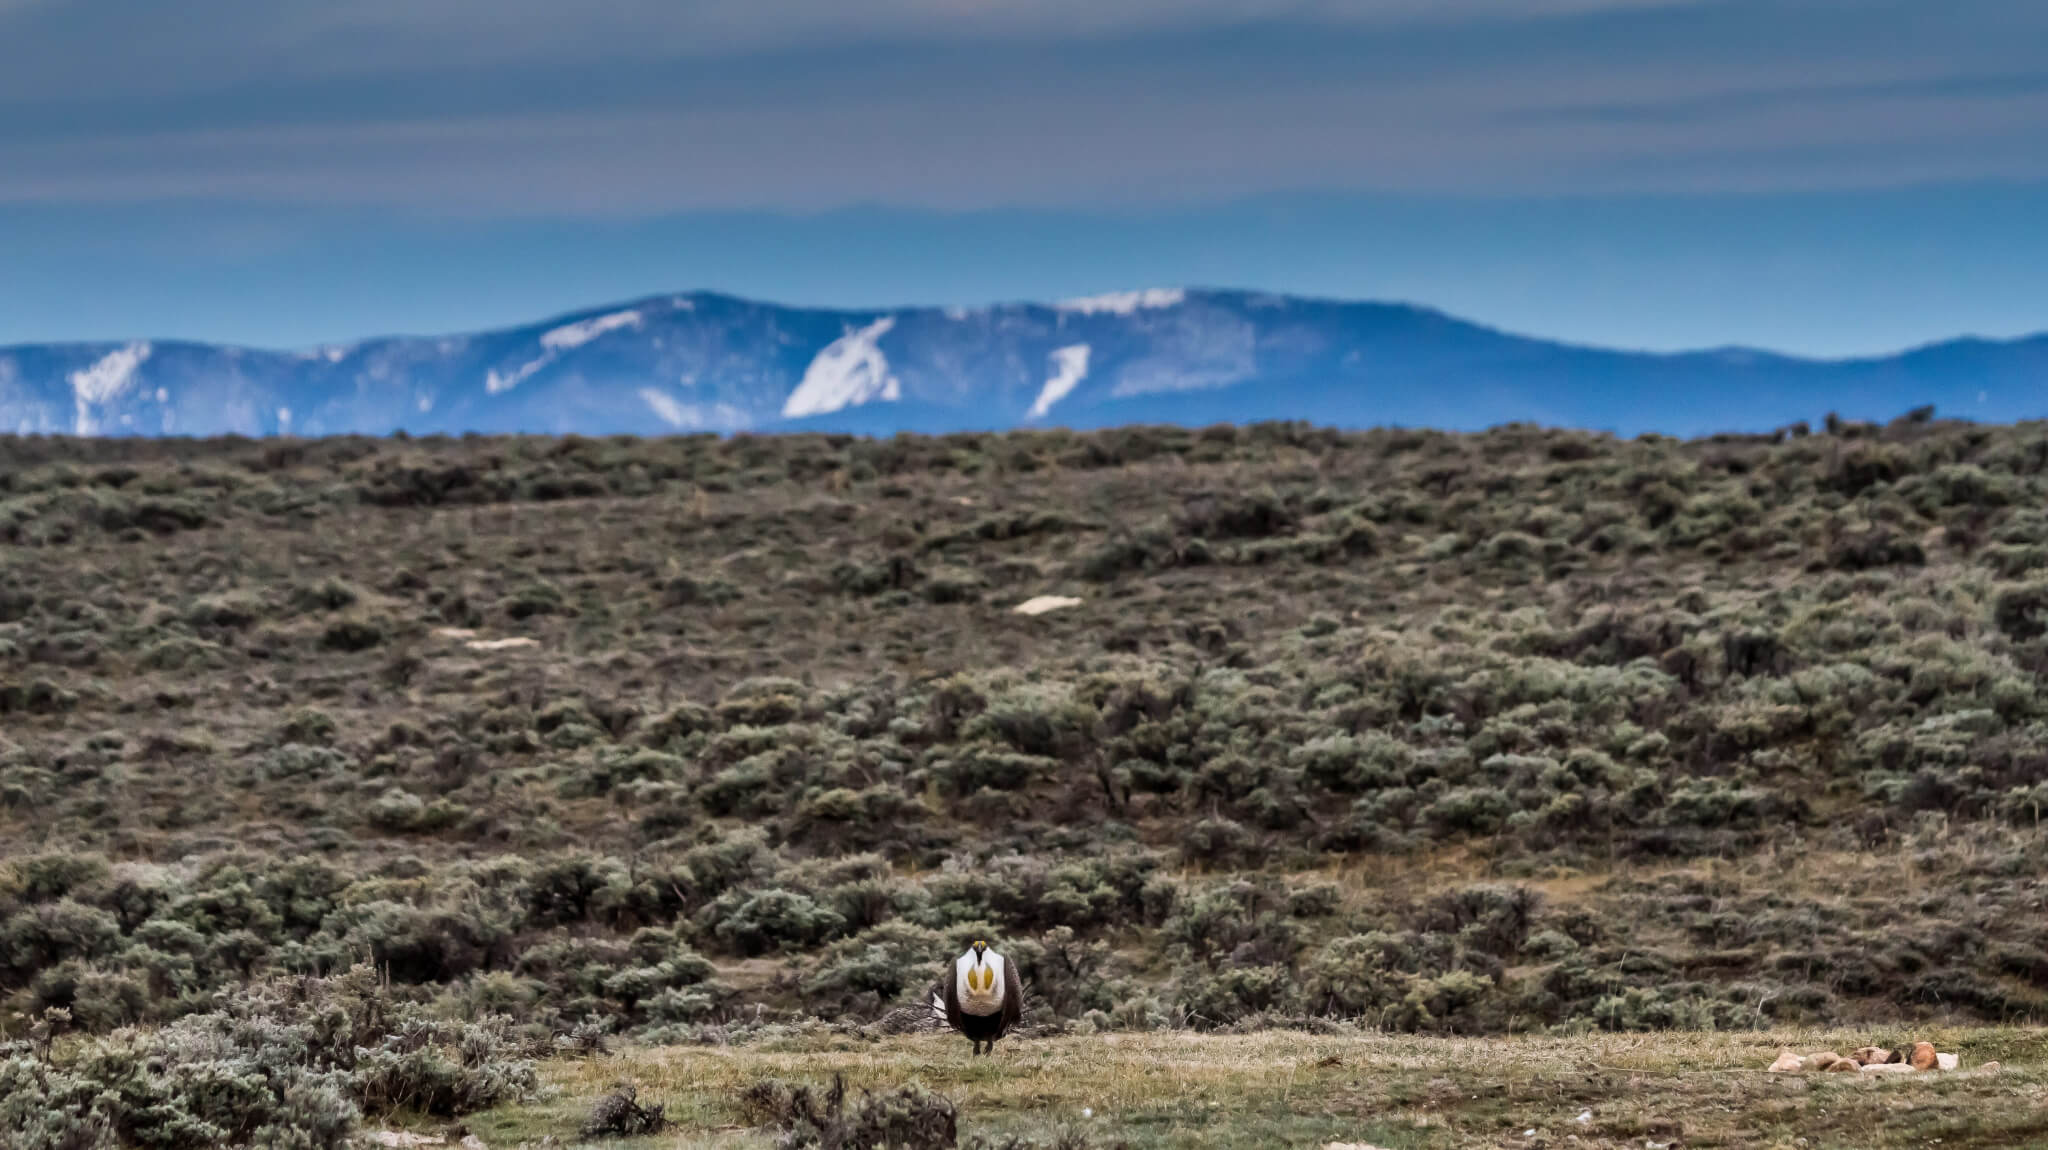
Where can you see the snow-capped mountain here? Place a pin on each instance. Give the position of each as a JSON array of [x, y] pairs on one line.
[[706, 362]]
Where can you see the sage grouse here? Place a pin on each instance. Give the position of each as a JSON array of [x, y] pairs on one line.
[[983, 999]]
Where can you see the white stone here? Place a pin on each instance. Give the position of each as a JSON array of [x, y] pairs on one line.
[[1044, 603], [502, 644]]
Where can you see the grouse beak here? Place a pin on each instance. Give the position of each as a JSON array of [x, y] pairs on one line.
[[979, 948]]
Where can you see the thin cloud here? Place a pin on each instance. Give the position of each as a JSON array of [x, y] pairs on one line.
[[634, 106]]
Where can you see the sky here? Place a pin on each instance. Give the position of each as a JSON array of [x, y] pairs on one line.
[[1828, 177]]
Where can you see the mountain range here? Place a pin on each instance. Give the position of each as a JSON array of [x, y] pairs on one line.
[[708, 362]]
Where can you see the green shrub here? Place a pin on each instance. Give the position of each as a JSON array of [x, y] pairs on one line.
[[349, 635], [756, 922], [46, 877], [282, 1064], [43, 935], [402, 812], [877, 967], [534, 599], [327, 595], [2021, 611], [302, 761], [1223, 997]]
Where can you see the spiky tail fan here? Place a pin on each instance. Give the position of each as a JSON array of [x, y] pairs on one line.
[[937, 1007]]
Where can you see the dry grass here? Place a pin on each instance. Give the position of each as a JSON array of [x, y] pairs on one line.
[[1292, 1089]]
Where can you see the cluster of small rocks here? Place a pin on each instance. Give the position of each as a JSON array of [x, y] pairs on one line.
[[407, 1140], [1871, 1060]]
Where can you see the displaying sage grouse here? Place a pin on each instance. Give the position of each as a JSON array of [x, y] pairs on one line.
[[983, 999]]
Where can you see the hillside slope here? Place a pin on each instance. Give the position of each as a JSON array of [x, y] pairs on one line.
[[1448, 733]]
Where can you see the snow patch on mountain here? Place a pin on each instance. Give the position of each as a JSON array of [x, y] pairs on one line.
[[571, 336], [850, 371], [1069, 368], [568, 337], [495, 383], [1193, 357], [103, 382], [1125, 302], [690, 416], [666, 408], [110, 375]]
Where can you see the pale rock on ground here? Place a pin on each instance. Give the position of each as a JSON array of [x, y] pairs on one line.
[[1923, 1056], [467, 637], [1044, 603], [502, 644]]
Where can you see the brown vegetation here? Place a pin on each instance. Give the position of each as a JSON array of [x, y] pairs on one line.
[[1445, 733]]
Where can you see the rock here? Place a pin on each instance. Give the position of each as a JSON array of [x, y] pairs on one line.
[[1825, 1060], [502, 644], [1044, 603], [1349, 1146], [1871, 1055], [1788, 1063], [1889, 1068], [1946, 1062], [1923, 1056]]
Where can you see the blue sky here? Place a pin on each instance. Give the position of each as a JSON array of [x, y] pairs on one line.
[[1821, 176]]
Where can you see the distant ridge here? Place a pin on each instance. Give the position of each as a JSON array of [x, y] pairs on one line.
[[708, 362]]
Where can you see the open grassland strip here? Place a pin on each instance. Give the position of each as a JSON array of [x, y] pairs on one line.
[[1281, 1089]]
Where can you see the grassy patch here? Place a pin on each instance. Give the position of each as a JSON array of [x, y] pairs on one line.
[[1274, 1089]]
